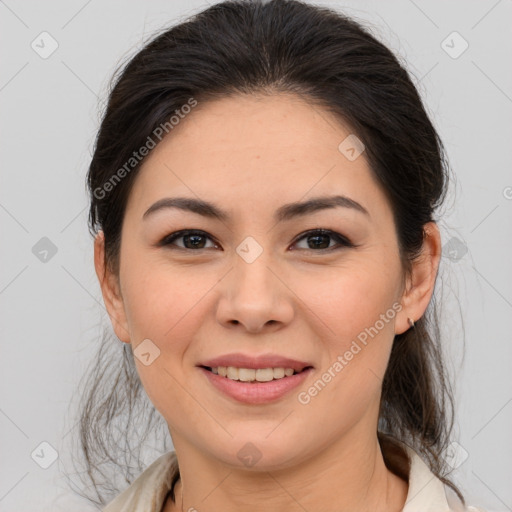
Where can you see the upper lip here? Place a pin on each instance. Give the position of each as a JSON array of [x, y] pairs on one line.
[[239, 360]]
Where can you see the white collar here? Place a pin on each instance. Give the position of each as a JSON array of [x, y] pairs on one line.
[[426, 492]]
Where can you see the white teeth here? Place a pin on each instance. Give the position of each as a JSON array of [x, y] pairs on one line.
[[232, 373], [262, 374], [251, 374], [279, 373], [247, 375]]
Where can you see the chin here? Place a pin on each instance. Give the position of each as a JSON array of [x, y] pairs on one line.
[[260, 453]]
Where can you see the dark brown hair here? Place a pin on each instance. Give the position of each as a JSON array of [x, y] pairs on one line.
[[329, 59]]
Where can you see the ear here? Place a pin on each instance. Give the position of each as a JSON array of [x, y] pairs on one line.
[[110, 290], [420, 284]]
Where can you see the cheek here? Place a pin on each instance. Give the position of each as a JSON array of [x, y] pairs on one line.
[[350, 301], [164, 305]]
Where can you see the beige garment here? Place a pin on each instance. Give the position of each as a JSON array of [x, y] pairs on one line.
[[148, 492]]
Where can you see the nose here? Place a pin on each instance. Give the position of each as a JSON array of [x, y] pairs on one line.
[[254, 296]]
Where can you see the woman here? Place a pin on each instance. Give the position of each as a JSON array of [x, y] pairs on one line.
[[263, 191]]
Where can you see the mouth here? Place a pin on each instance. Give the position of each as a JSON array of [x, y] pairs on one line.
[[254, 386]]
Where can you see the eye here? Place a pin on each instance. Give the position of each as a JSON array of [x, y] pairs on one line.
[[316, 239], [192, 239], [321, 238]]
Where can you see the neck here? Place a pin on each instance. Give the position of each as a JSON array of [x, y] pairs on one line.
[[348, 477]]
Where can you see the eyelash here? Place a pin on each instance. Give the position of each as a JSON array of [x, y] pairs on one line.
[[343, 242]]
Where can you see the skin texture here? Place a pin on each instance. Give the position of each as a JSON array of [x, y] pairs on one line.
[[249, 155]]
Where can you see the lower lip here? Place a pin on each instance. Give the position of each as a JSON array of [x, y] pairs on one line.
[[256, 392]]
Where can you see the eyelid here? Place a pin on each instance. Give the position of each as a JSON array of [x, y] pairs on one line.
[[171, 237], [342, 241]]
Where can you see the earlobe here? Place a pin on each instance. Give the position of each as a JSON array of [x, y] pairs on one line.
[[420, 285], [110, 291]]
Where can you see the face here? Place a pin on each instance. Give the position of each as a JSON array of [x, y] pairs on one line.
[[261, 280]]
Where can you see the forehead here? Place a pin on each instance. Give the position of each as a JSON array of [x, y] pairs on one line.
[[279, 125], [255, 150]]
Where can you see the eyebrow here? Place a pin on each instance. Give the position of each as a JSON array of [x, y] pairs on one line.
[[283, 213]]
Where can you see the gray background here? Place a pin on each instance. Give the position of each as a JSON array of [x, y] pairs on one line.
[[51, 303]]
